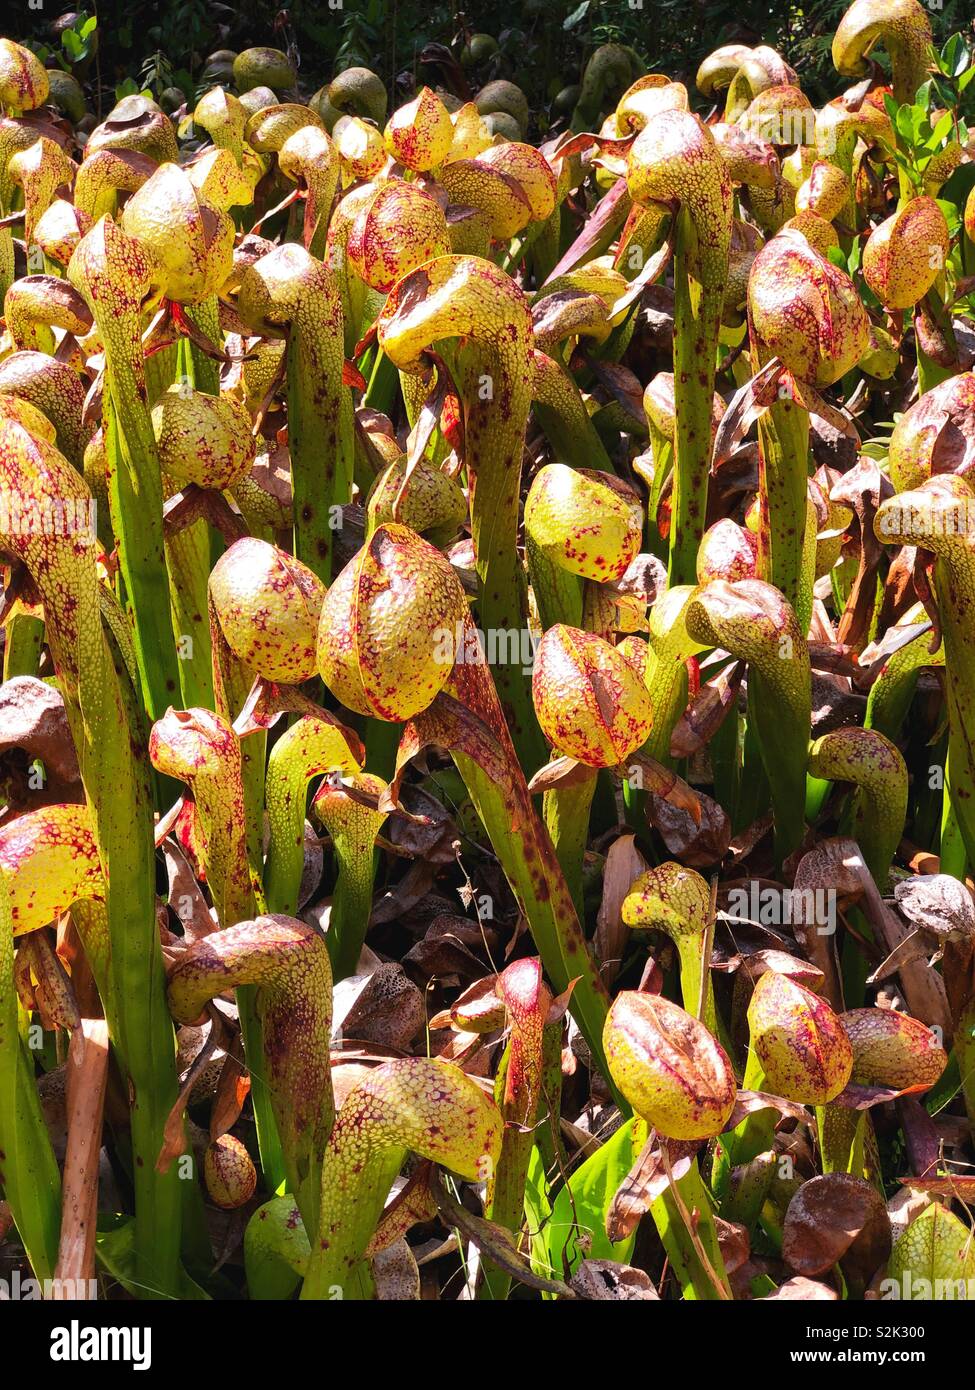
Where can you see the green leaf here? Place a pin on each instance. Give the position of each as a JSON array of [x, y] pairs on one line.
[[115, 1251], [576, 1229], [907, 116], [955, 56], [941, 131], [856, 256], [919, 124], [952, 216], [958, 187], [946, 60]]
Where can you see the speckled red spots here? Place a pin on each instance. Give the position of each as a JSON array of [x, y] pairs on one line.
[[203, 439], [309, 156], [400, 229], [800, 1042], [589, 701], [390, 626], [229, 1172], [49, 861], [23, 82], [727, 551], [312, 746], [420, 133], [268, 606], [40, 170], [675, 157], [511, 185], [905, 255], [527, 1000], [676, 900], [192, 240], [806, 310], [892, 1049], [586, 522], [201, 749], [876, 767], [937, 434], [901, 26], [670, 1068]]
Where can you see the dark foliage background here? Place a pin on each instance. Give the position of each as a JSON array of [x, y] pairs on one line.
[[542, 46]]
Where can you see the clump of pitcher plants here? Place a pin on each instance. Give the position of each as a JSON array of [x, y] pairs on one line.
[[487, 726]]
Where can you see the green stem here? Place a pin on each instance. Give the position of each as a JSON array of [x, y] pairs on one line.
[[558, 592], [7, 263], [751, 620], [566, 814], [726, 763], [353, 828], [133, 494], [953, 854], [110, 269], [24, 638], [931, 516], [311, 747], [188, 559], [109, 734], [289, 289], [468, 299], [528, 859], [874, 765], [383, 381], [147, 1044], [892, 692], [666, 676], [755, 1134], [28, 1169], [965, 1054], [382, 741], [695, 348], [783, 433], [520, 1093], [695, 1280], [320, 436], [563, 418]]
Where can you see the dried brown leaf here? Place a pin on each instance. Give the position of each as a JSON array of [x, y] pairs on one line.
[[32, 717], [388, 1012], [802, 1290], [698, 844], [837, 1219], [607, 1281], [624, 864]]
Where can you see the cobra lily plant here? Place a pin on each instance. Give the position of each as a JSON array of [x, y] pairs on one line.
[[487, 728]]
